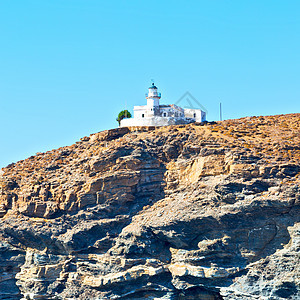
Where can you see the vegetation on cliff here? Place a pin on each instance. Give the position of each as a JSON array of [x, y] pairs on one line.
[[122, 115]]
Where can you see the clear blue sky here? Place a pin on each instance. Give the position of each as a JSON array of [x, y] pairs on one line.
[[67, 67]]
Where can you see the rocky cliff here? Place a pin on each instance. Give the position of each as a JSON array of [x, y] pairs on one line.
[[198, 211]]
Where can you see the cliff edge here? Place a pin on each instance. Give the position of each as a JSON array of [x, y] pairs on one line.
[[198, 211]]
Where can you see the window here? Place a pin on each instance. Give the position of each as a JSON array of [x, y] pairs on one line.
[[165, 114], [143, 115], [176, 114], [194, 115]]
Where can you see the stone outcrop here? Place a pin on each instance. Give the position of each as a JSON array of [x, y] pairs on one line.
[[198, 211]]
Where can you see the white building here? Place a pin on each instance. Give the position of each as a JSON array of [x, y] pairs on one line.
[[154, 114]]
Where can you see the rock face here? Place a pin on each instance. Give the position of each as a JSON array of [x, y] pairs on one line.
[[198, 211]]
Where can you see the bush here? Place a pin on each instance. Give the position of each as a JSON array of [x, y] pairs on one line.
[[122, 115]]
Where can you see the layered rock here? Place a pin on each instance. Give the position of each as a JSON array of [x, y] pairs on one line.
[[198, 211]]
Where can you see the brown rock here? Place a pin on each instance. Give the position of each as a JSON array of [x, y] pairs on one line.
[[183, 212]]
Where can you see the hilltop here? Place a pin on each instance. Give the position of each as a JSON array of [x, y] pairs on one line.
[[197, 211]]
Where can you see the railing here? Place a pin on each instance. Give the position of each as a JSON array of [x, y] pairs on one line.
[[153, 95]]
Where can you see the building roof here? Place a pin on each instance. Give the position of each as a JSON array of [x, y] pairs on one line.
[[174, 106], [153, 86]]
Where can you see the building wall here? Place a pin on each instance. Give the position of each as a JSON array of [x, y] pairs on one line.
[[138, 111], [154, 121], [163, 111], [196, 114], [171, 111], [163, 116]]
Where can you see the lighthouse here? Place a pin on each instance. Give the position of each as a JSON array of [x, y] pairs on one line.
[[155, 114], [153, 101]]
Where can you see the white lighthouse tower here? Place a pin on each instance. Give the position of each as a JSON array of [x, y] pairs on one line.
[[153, 100]]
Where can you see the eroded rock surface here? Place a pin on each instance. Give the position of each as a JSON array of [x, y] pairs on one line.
[[198, 211]]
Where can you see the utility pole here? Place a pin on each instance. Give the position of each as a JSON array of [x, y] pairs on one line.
[[221, 111]]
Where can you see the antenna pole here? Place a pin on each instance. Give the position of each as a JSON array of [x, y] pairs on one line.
[[221, 111]]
